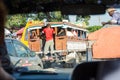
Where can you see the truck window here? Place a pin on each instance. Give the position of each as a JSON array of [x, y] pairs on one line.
[[61, 32]]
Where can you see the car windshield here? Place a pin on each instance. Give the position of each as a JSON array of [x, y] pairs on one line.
[[63, 34], [20, 49]]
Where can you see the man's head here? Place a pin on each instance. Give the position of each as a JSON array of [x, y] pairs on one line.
[[48, 25], [111, 11]]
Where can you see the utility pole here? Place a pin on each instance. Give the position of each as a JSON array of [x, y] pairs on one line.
[[99, 19]]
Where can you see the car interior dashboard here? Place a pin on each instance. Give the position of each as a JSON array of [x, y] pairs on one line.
[[96, 70], [41, 75]]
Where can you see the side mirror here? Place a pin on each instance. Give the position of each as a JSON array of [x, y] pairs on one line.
[[32, 54], [85, 71], [98, 70]]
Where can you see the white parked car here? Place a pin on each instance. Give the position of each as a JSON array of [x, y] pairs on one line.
[[22, 56]]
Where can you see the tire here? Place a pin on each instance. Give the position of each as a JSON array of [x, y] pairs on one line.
[[41, 64]]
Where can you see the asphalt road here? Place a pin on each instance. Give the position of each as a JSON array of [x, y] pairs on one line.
[[61, 70]]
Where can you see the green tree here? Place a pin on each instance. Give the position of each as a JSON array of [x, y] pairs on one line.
[[56, 16], [17, 20], [93, 28], [51, 16], [86, 19], [41, 16]]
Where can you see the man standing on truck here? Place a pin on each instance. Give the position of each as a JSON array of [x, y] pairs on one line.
[[115, 17], [48, 31]]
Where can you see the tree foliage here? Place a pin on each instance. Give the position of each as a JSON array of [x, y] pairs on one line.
[[55, 16], [86, 19], [16, 20], [93, 28], [19, 20], [83, 19]]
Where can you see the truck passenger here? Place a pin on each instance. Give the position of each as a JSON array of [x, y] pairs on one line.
[[115, 17], [48, 31], [61, 32]]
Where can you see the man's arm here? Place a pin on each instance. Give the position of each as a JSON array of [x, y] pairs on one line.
[[53, 31], [43, 31], [114, 19], [104, 23]]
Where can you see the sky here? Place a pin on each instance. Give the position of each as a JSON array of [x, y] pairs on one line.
[[97, 19]]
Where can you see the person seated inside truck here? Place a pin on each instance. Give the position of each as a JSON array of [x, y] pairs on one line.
[[74, 32], [69, 32], [61, 32], [33, 35]]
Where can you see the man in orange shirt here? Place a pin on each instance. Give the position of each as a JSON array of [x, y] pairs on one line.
[[48, 31]]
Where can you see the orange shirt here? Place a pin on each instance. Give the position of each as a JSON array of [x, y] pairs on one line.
[[48, 33]]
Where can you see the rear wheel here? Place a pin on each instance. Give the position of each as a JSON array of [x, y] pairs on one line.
[[41, 64]]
